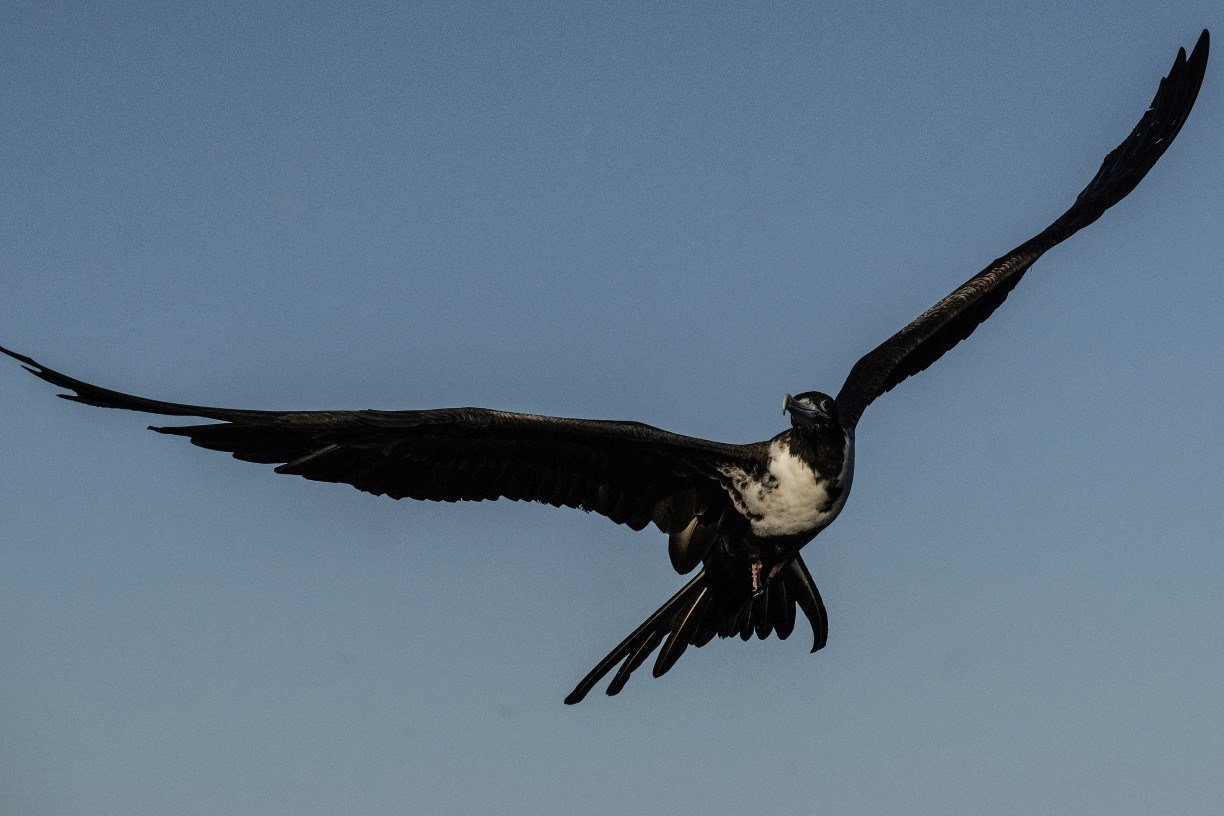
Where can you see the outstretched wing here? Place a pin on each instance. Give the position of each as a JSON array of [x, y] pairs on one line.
[[630, 472], [955, 317]]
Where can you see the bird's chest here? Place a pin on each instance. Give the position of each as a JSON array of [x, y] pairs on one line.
[[791, 497]]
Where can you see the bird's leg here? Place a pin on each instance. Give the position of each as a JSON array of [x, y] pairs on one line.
[[758, 568]]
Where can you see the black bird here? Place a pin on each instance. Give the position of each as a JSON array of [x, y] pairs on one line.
[[742, 512]]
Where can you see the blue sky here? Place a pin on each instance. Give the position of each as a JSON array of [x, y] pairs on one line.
[[636, 212]]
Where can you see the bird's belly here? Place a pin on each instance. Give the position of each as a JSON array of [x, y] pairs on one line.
[[790, 499], [789, 508]]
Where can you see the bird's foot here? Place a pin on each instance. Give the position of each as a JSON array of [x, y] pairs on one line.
[[758, 586]]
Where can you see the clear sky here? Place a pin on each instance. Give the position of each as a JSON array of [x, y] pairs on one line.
[[668, 213]]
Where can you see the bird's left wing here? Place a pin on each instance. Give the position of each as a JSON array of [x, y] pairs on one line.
[[629, 472], [955, 317]]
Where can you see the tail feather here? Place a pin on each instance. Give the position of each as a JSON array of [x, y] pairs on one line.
[[694, 615], [632, 663], [809, 600], [679, 640], [745, 619], [761, 614], [658, 623], [781, 610]]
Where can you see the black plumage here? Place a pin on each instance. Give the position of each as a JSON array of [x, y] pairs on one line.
[[954, 318], [741, 512]]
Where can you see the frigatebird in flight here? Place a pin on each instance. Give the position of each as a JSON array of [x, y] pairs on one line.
[[741, 512]]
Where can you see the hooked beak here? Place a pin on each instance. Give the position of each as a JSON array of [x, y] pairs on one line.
[[789, 405]]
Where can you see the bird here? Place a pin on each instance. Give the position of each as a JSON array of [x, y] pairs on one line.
[[740, 512]]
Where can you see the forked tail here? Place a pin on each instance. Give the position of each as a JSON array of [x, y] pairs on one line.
[[694, 615]]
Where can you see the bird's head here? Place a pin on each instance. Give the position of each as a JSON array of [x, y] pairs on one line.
[[811, 409]]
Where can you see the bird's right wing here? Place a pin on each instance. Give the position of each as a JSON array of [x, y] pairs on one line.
[[954, 318], [629, 472]]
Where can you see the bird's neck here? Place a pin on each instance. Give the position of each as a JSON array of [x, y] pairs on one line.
[[823, 449]]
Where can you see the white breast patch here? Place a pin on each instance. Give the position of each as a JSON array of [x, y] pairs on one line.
[[789, 499]]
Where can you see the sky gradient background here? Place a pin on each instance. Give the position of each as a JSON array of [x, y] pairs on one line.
[[674, 216]]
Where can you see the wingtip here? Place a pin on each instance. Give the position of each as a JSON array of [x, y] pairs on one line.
[[44, 373], [28, 363], [1203, 45]]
